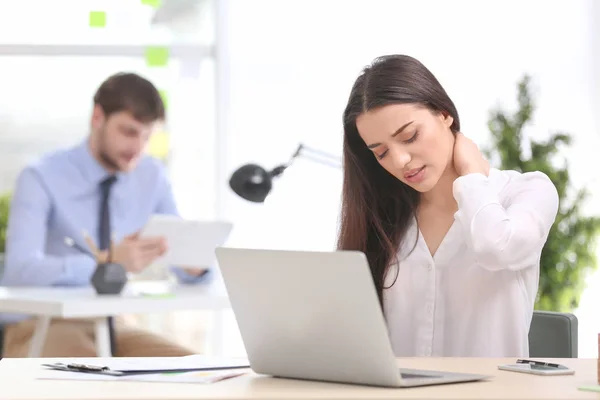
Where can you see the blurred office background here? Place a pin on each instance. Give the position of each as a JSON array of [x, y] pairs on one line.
[[248, 80]]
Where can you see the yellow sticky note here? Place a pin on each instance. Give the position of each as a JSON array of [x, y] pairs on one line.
[[163, 95], [151, 3], [157, 56], [97, 19], [159, 145]]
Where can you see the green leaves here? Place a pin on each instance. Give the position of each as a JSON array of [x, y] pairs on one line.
[[4, 210], [569, 254]]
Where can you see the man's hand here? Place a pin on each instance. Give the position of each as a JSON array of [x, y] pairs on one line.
[[101, 256], [135, 254]]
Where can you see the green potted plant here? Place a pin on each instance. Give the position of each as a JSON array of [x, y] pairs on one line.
[[569, 255], [4, 210]]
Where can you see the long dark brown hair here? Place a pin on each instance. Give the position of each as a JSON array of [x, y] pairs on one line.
[[377, 208]]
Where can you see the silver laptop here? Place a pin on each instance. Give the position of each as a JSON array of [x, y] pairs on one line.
[[316, 316]]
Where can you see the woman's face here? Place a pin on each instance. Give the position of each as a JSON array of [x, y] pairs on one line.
[[411, 142]]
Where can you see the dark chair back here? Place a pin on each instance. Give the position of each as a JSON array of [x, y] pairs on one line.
[[1, 340], [553, 335]]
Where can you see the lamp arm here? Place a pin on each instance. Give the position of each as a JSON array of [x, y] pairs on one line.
[[331, 163], [317, 156]]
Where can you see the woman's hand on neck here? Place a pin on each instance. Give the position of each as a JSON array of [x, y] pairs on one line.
[[467, 158]]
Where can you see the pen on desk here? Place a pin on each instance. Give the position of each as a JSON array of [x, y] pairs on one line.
[[539, 363], [94, 249]]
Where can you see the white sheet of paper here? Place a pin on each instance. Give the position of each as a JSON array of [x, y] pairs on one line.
[[190, 243], [203, 377], [194, 361]]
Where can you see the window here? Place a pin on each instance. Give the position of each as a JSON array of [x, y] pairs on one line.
[[34, 22]]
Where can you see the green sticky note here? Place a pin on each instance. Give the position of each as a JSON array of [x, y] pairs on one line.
[[159, 295], [151, 3], [163, 95], [590, 388], [97, 19], [157, 56]]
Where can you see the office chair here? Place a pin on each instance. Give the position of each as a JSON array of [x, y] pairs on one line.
[[553, 335]]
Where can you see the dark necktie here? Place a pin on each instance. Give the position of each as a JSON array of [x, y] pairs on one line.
[[104, 236]]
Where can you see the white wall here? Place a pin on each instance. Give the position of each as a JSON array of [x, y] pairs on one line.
[[66, 21], [292, 63]]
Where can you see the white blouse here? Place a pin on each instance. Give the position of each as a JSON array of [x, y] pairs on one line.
[[475, 296]]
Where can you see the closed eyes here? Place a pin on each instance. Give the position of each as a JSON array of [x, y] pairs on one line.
[[407, 141]]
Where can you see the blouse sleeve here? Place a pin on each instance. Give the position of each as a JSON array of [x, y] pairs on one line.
[[511, 237]]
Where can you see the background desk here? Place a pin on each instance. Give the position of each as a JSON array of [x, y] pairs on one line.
[[64, 302], [17, 382]]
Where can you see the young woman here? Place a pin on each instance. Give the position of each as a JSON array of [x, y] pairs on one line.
[[453, 245]]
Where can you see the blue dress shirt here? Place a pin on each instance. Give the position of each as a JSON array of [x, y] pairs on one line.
[[58, 197]]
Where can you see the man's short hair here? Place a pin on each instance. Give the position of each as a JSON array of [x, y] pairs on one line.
[[131, 93]]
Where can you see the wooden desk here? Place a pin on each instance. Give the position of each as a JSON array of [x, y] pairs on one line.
[[82, 302], [17, 382]]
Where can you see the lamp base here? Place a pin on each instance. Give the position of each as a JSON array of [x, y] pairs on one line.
[[109, 278]]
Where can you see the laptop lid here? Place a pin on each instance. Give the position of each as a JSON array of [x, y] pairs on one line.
[[309, 315]]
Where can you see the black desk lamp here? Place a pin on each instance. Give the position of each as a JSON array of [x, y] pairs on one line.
[[253, 182]]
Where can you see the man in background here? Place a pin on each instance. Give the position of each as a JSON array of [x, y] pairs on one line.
[[104, 186]]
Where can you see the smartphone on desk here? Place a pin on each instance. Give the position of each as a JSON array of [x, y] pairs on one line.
[[537, 368]]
